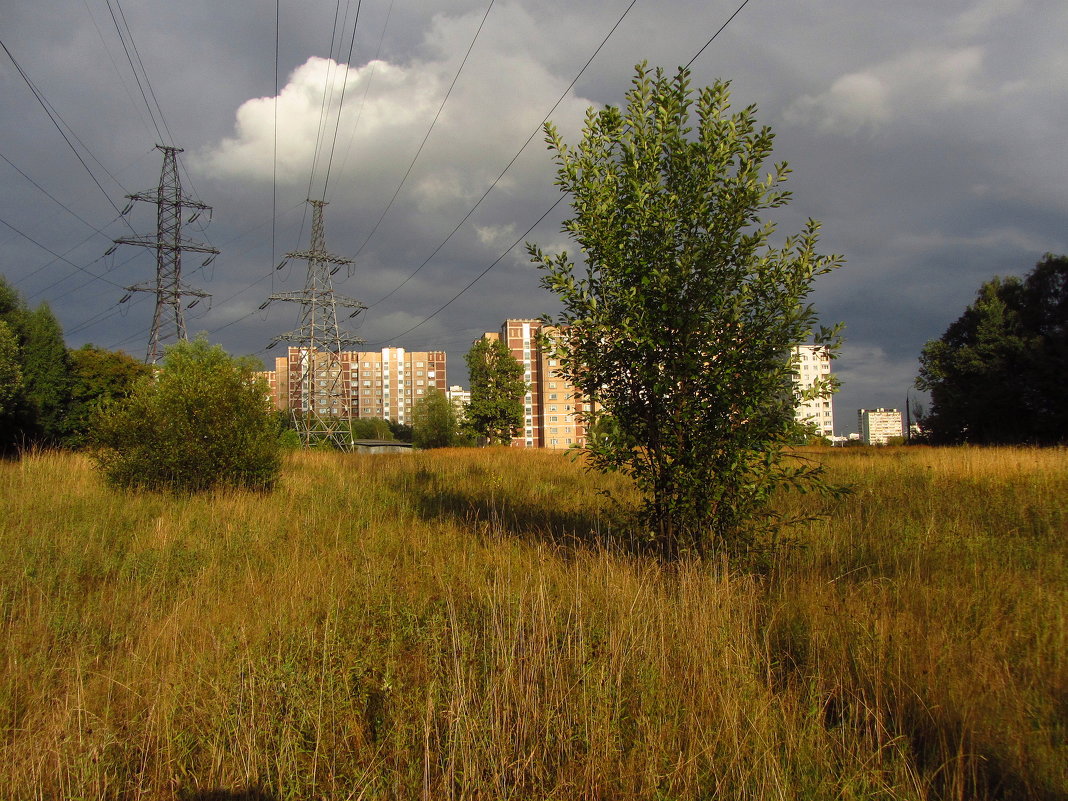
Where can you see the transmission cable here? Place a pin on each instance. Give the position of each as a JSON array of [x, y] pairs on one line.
[[57, 255], [140, 63], [53, 115], [475, 280], [432, 124], [54, 199], [558, 200], [341, 101], [507, 166]]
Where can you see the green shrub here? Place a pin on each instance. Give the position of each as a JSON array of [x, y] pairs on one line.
[[202, 421]]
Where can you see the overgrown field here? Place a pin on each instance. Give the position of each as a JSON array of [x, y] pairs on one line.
[[444, 626]]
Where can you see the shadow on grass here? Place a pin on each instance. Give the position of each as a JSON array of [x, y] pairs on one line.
[[532, 520]]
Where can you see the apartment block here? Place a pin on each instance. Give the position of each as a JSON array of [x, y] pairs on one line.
[[878, 426], [356, 384], [552, 406], [814, 362], [460, 398]]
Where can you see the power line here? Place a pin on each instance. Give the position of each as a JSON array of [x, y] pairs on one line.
[[475, 280], [429, 130], [737, 11], [53, 198], [57, 255], [550, 209], [53, 115], [115, 66], [341, 101], [367, 88], [274, 154], [507, 166], [133, 68]]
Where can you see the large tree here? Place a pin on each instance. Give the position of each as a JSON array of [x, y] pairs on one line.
[[433, 421], [997, 374], [47, 373], [97, 376], [34, 412], [203, 421], [681, 320], [10, 370], [497, 389]]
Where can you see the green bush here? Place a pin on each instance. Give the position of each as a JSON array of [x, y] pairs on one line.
[[202, 421]]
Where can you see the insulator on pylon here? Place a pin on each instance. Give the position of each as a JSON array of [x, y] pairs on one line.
[[192, 217], [125, 297], [282, 264], [264, 305], [111, 250], [334, 271], [271, 345], [129, 207], [209, 259], [194, 303], [354, 313]]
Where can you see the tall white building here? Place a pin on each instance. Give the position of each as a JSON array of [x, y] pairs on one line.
[[814, 362], [878, 426], [460, 398]]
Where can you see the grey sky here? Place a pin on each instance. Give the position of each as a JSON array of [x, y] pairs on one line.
[[926, 137]]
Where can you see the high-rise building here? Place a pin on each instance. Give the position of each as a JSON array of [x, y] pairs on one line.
[[460, 398], [878, 426], [814, 362], [383, 384], [552, 406]]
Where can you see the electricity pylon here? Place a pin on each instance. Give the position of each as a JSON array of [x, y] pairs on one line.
[[169, 245], [319, 402]]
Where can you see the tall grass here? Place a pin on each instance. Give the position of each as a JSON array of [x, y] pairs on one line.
[[452, 625]]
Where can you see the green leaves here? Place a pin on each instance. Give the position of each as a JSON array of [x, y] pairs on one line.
[[202, 421], [434, 421], [497, 391], [997, 374], [681, 318]]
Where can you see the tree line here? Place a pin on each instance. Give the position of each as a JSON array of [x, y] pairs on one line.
[[48, 391], [999, 374]]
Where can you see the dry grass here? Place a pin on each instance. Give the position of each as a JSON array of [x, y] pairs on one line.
[[449, 625]]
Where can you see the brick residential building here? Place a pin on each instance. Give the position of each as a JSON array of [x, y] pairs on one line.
[[358, 384], [552, 406]]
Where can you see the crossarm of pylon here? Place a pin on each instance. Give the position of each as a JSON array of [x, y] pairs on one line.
[[152, 197], [184, 290], [300, 336], [153, 242], [314, 255]]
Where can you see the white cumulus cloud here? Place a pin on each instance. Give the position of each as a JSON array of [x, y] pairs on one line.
[[910, 87]]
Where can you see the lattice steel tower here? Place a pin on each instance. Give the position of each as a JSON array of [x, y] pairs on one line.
[[319, 401], [169, 245]]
